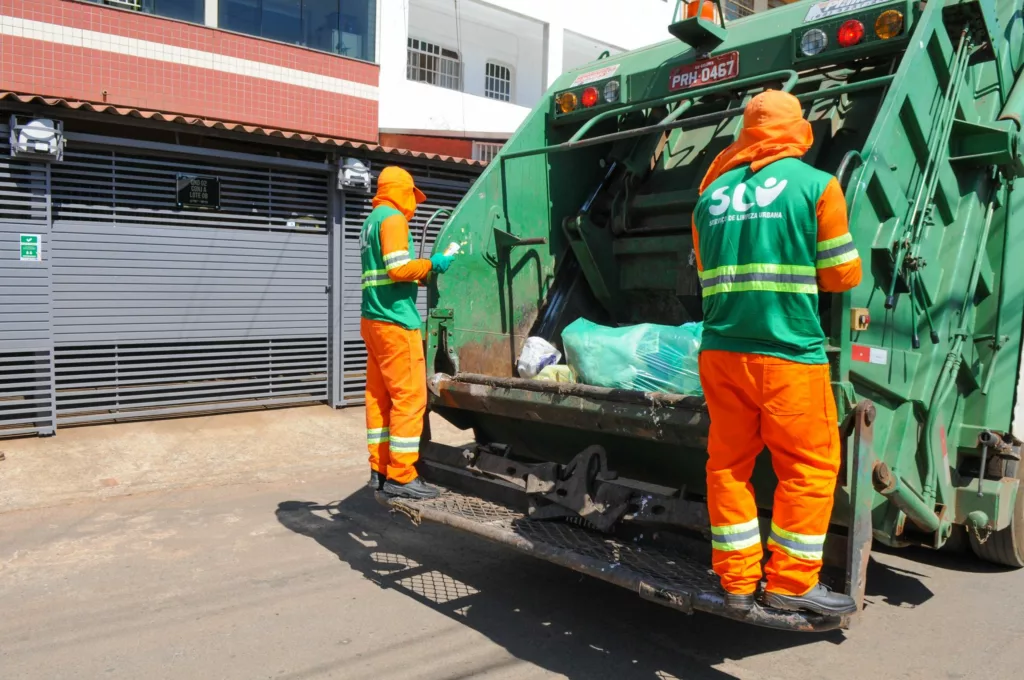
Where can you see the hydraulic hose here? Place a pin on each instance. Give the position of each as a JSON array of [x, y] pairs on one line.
[[930, 176], [947, 375], [997, 341]]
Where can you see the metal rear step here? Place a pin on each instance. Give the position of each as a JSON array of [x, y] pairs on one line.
[[658, 574]]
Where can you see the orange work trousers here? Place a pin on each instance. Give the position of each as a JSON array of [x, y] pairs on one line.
[[755, 401], [396, 398]]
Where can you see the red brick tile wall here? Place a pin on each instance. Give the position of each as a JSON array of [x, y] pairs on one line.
[[446, 146], [46, 65]]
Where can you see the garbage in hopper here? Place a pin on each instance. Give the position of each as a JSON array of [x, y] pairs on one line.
[[537, 354], [558, 374], [645, 357]]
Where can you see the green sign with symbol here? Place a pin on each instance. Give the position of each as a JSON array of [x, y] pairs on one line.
[[31, 248]]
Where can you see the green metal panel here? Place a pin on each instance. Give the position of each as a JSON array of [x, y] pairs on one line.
[[587, 213]]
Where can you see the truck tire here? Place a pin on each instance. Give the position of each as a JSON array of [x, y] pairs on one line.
[[1006, 547]]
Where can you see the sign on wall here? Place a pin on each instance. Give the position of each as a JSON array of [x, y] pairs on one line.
[[198, 191], [31, 248]]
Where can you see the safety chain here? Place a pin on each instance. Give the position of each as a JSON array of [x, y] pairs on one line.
[[977, 535]]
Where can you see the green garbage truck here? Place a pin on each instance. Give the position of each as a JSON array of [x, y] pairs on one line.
[[916, 108]]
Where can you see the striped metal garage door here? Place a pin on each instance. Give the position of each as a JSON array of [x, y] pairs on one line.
[[26, 370], [159, 310], [445, 188]]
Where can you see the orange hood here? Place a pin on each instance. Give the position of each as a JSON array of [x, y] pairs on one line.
[[396, 188], [773, 128]]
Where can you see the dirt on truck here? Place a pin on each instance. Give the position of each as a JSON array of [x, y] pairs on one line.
[[586, 213]]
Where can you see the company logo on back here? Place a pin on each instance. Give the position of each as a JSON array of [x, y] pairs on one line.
[[734, 200]]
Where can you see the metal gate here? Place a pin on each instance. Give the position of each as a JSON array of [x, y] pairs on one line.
[[26, 348], [162, 310], [444, 189]]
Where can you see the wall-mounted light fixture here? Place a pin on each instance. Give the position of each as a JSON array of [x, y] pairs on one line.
[[354, 173], [39, 139]]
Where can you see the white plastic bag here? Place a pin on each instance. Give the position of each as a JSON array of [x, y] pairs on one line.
[[537, 354]]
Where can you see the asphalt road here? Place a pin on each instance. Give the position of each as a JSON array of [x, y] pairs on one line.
[[285, 581]]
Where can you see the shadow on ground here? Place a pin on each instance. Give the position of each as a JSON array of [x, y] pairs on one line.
[[540, 613], [556, 619]]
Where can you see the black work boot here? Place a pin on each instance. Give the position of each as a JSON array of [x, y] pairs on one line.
[[377, 480], [417, 489], [820, 600], [739, 602]]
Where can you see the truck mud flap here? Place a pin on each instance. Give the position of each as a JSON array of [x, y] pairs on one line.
[[657, 574]]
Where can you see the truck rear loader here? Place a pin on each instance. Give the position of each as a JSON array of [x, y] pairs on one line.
[[586, 212]]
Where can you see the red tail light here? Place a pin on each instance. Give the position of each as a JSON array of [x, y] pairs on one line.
[[590, 97], [851, 33]]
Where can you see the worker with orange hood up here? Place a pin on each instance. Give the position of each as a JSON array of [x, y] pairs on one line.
[[396, 387], [770, 232]]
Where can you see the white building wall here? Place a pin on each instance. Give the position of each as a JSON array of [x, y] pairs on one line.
[[540, 39]]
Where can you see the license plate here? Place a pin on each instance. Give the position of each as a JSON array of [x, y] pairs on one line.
[[714, 70]]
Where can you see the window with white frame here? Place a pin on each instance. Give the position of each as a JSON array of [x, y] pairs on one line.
[[737, 9], [434, 65], [486, 151], [498, 82]]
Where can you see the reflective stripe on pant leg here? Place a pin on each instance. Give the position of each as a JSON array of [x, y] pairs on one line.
[[732, 537], [404, 369], [802, 546], [733, 445], [378, 406], [377, 435], [800, 427], [405, 445]]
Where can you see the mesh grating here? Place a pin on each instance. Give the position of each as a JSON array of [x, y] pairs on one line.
[[657, 565]]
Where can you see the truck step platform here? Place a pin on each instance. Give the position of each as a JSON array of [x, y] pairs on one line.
[[658, 574]]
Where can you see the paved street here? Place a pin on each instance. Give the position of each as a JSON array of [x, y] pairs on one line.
[[310, 578]]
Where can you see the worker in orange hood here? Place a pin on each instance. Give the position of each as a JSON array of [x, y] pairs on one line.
[[769, 233], [396, 388]]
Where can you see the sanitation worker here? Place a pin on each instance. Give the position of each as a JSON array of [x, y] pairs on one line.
[[396, 380], [770, 232]]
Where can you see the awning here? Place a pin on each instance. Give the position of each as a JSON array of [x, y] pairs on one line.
[[229, 126]]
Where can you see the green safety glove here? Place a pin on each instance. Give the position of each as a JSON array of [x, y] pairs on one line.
[[440, 263]]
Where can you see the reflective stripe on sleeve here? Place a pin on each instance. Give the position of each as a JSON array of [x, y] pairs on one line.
[[809, 547], [836, 251], [730, 537], [396, 259]]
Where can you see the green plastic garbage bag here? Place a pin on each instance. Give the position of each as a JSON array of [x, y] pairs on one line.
[[646, 357]]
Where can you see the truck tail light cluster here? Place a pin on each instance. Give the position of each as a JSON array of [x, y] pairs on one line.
[[588, 97], [888, 25]]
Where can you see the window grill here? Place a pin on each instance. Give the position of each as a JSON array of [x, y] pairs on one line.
[[434, 65], [498, 82], [737, 9], [485, 151], [125, 4]]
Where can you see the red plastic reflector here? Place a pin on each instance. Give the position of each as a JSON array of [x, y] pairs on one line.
[[590, 96], [851, 33]]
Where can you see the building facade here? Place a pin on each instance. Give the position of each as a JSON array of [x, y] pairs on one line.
[[458, 77], [99, 52]]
